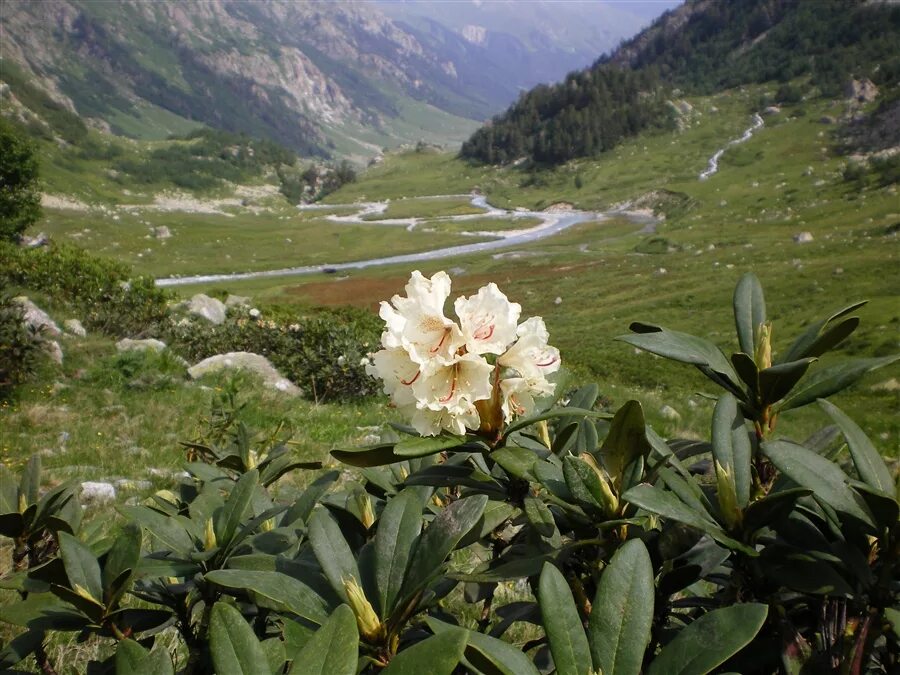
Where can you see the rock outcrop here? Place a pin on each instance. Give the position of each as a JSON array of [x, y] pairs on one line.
[[247, 361]]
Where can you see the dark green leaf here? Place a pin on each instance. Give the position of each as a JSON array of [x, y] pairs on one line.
[[540, 517], [132, 659], [811, 576], [562, 624], [276, 656], [824, 478], [427, 445], [233, 645], [20, 648], [827, 381], [710, 640], [170, 530], [123, 556], [586, 438], [776, 382], [332, 551], [439, 539], [746, 369], [585, 397], [229, 518], [9, 492], [333, 649], [398, 529], [682, 347], [583, 483], [372, 455], [626, 440], [555, 413], [622, 613], [517, 462], [437, 655], [868, 461], [304, 504], [772, 508], [273, 590], [489, 655], [666, 504], [30, 485], [82, 568], [749, 311], [813, 342], [731, 446]]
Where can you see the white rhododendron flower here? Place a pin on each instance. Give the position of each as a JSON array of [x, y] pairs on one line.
[[488, 320], [436, 370]]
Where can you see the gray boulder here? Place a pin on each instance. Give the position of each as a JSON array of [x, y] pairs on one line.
[[803, 237], [162, 232], [74, 327], [53, 350], [209, 308], [248, 361], [37, 318], [127, 344]]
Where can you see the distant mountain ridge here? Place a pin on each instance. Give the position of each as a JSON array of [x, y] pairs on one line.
[[336, 78], [702, 46]]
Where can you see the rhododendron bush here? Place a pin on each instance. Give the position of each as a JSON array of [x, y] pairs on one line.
[[514, 527]]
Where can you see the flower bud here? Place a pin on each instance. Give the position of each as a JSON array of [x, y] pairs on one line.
[[364, 503], [763, 356], [727, 495], [209, 536], [369, 624], [608, 498]]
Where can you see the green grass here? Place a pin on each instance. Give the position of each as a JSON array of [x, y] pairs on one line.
[[426, 208]]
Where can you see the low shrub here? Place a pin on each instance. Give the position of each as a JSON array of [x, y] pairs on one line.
[[325, 354], [20, 348], [102, 291]]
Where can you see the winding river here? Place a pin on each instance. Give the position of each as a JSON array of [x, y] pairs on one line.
[[713, 164], [551, 223]]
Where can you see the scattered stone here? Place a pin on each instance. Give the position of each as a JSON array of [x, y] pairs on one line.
[[127, 344], [74, 327], [209, 308], [772, 110], [888, 385], [838, 271], [132, 485], [40, 239], [254, 363], [808, 171], [236, 301], [827, 119], [161, 232], [97, 491], [35, 317], [255, 313], [558, 301], [669, 413], [862, 91], [456, 271], [54, 351], [662, 271], [803, 237]]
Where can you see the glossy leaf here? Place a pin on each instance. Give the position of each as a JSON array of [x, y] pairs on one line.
[[746, 369], [776, 382], [133, 659], [232, 513], [731, 446], [332, 551], [273, 590], [398, 529], [439, 539], [625, 441], [772, 509], [517, 462], [30, 484], [681, 347], [824, 478], [333, 649], [562, 624], [437, 655], [710, 640], [554, 413], [866, 458], [233, 645], [488, 654], [122, 557], [82, 568], [540, 517], [666, 504], [428, 445], [821, 336], [622, 613], [303, 506], [20, 648], [168, 529], [749, 311], [827, 381], [583, 483], [372, 455]]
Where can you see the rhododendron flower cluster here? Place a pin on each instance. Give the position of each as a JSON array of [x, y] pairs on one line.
[[474, 374]]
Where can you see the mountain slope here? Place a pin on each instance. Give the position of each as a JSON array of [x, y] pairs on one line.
[[703, 46], [324, 79]]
